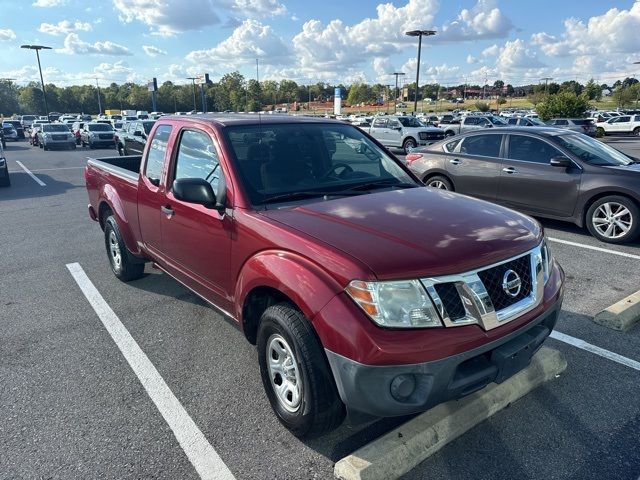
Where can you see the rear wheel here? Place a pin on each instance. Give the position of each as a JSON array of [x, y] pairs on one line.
[[122, 264], [600, 132], [614, 219], [295, 373], [636, 131], [439, 182]]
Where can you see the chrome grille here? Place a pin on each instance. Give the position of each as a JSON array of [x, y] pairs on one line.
[[58, 137], [493, 279]]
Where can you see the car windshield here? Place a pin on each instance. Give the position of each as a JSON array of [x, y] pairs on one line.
[[100, 127], [55, 128], [593, 151], [580, 121], [410, 122], [28, 117], [286, 162]]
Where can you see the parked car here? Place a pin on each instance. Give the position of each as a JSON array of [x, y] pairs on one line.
[[40, 122], [57, 135], [95, 134], [5, 181], [27, 120], [404, 132], [360, 288], [9, 132], [547, 172], [473, 122], [17, 124], [134, 137], [580, 125], [525, 122], [76, 129], [623, 125]]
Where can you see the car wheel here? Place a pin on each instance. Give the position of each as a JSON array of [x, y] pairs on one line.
[[439, 182], [636, 131], [449, 133], [295, 373], [600, 132], [45, 148], [613, 219], [122, 264], [408, 145]]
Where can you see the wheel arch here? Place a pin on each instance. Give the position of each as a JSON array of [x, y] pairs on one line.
[[594, 198]]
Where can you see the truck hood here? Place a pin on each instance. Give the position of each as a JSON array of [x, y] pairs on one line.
[[415, 232]]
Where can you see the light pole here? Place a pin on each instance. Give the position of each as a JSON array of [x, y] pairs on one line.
[[37, 48], [99, 101], [419, 34], [395, 105], [193, 80]]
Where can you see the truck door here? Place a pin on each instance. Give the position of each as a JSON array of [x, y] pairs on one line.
[[151, 194], [196, 241], [378, 130]]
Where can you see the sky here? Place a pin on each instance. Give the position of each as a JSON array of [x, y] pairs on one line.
[[333, 41]]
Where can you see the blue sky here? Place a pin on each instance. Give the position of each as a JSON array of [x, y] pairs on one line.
[[330, 40]]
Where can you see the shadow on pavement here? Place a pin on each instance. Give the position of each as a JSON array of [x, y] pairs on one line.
[[23, 186]]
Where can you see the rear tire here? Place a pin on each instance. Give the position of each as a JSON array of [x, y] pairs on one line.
[[600, 132], [609, 217], [439, 182], [291, 356], [636, 131], [120, 259]]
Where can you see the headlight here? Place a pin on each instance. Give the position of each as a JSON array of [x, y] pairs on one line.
[[546, 260], [397, 304]]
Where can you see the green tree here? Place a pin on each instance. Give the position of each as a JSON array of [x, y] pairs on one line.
[[31, 100], [571, 86], [8, 98], [360, 93], [498, 84], [592, 90], [624, 96], [563, 104], [289, 91], [482, 106]]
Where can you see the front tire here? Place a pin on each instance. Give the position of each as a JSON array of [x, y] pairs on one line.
[[439, 182], [614, 219], [408, 145], [295, 373], [600, 132], [122, 264], [636, 131]]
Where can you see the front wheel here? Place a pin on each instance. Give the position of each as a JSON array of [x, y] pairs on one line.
[[295, 373], [614, 219], [439, 182], [408, 145], [122, 265], [636, 131], [600, 132]]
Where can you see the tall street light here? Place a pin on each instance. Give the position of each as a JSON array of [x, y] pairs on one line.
[[37, 48], [193, 79], [395, 104], [419, 34]]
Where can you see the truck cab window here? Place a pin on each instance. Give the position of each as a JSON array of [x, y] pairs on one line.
[[198, 158], [157, 150]]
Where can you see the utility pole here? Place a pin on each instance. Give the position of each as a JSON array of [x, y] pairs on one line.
[[99, 101], [546, 84], [395, 105], [37, 48], [388, 96], [484, 87], [193, 80]]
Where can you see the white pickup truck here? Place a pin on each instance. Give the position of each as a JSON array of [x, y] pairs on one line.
[[625, 124], [404, 132], [473, 122]]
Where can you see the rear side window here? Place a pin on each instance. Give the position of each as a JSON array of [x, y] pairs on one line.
[[380, 123], [157, 150], [487, 145], [197, 158], [530, 149], [451, 146]]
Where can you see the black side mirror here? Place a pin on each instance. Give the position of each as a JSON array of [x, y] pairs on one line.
[[562, 162], [194, 190]]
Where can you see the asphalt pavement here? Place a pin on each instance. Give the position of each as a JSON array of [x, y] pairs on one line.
[[71, 406]]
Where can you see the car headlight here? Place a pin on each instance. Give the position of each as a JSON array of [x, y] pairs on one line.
[[396, 304], [546, 260]]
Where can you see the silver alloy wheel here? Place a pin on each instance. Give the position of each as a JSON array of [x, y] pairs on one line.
[[437, 184], [283, 373], [612, 220], [114, 250]]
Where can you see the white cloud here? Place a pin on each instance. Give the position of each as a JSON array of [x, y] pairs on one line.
[[259, 8], [153, 51], [515, 55], [491, 51], [249, 41], [64, 27], [430, 74], [7, 34], [73, 45], [48, 3], [471, 59], [383, 69], [483, 21]]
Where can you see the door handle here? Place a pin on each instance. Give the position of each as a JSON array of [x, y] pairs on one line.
[[455, 161], [509, 170], [168, 211]]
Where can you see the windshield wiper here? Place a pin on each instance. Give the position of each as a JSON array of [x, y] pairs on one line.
[[303, 195], [390, 182]]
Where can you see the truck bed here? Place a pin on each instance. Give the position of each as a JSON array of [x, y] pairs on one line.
[[125, 167]]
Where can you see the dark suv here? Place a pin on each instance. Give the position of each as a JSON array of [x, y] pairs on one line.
[[18, 127], [548, 172]]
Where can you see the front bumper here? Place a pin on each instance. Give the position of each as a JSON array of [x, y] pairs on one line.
[[394, 390], [59, 143]]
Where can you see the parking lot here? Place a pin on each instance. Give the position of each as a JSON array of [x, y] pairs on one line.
[[72, 406]]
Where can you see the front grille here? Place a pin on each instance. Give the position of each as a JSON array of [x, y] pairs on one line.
[[451, 300], [58, 137], [431, 135], [106, 136], [493, 278]]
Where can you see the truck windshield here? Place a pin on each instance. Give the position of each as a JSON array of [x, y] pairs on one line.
[[100, 127], [410, 122], [307, 161], [55, 128]]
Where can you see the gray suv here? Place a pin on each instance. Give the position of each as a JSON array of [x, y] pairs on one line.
[[56, 135], [546, 172], [580, 125]]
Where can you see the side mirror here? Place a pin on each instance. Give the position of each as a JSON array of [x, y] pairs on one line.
[[194, 190], [487, 125], [562, 162], [137, 133]]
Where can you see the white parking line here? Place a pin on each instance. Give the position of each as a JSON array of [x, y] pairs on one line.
[[576, 342], [202, 455], [598, 249], [38, 181]]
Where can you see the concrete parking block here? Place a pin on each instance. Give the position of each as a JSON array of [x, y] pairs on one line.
[[622, 315], [400, 450]]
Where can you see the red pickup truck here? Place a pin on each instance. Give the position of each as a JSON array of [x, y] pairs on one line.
[[363, 290]]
